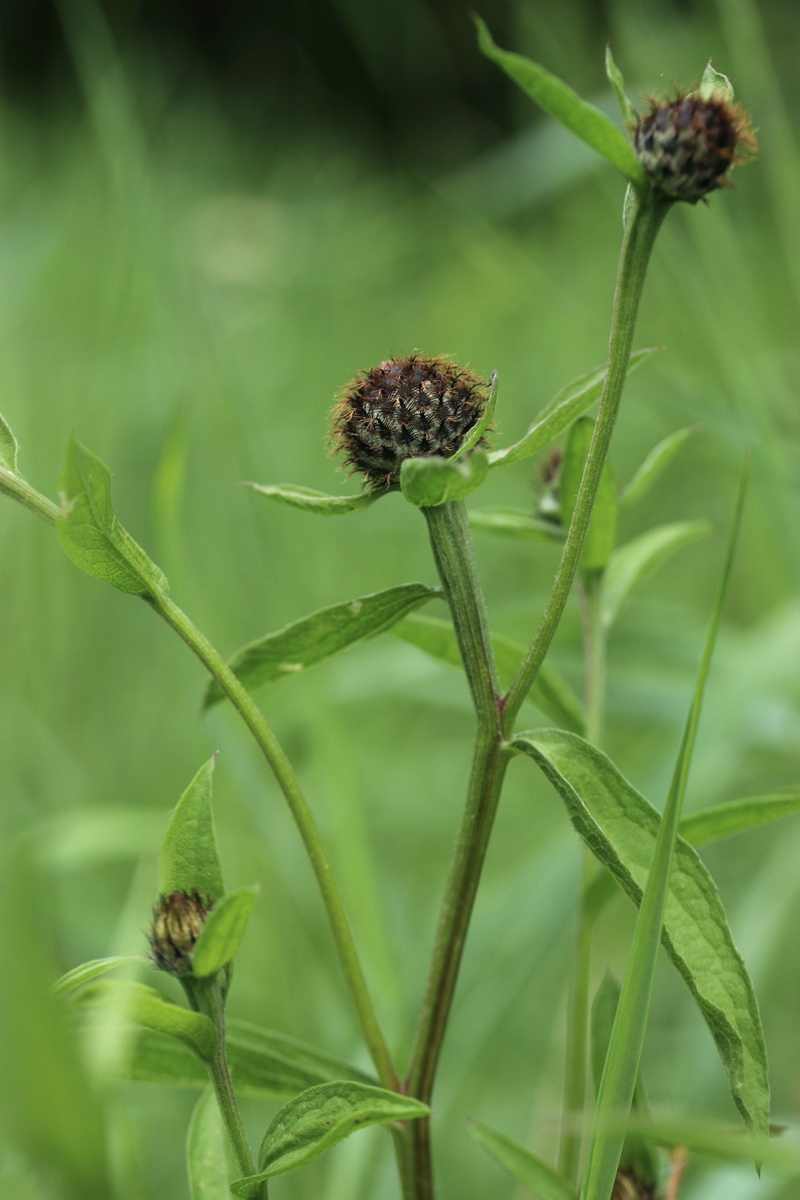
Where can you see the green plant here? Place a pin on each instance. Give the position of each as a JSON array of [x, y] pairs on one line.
[[198, 927]]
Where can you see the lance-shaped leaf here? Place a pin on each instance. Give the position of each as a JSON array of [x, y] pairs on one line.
[[88, 971], [319, 636], [655, 465], [561, 102], [262, 1062], [141, 1005], [521, 1163], [620, 828], [551, 693], [315, 502], [319, 1118], [558, 414], [222, 932], [739, 816], [189, 858], [614, 76], [601, 536], [90, 534], [208, 1158], [638, 559], [430, 482], [515, 523], [9, 448], [478, 430]]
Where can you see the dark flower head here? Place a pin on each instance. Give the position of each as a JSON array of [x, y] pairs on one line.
[[628, 1187], [178, 920], [411, 407], [687, 145]]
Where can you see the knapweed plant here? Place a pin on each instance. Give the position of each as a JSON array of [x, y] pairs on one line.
[[421, 429]]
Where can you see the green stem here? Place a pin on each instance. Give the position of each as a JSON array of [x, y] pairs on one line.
[[287, 780], [640, 234], [451, 542], [18, 489]]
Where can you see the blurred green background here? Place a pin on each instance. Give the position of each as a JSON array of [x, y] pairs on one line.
[[209, 221]]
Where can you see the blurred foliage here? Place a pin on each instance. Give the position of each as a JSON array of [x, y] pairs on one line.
[[187, 283]]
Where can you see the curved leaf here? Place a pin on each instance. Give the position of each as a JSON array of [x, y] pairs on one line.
[[601, 536], [515, 523], [614, 76], [90, 534], [208, 1163], [573, 399], [88, 971], [320, 635], [620, 828], [478, 430], [433, 481], [9, 448], [223, 931], [315, 502], [551, 693], [189, 858], [638, 559], [144, 1006], [739, 816], [655, 465], [319, 1118], [522, 1164], [561, 102]]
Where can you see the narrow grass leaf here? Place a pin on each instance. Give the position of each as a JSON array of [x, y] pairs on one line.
[[566, 106], [522, 1164], [321, 635], [514, 523], [315, 502], [620, 828], [318, 1119], [739, 816], [208, 1164], [189, 857], [223, 931], [476, 433], [558, 414], [87, 971], [655, 465], [614, 76], [640, 558], [90, 534], [9, 448], [431, 482], [551, 693], [141, 1005], [601, 536]]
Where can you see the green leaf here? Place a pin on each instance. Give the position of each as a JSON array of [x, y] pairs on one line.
[[551, 693], [87, 971], [141, 1005], [561, 102], [429, 482], [655, 465], [618, 85], [262, 1062], [476, 433], [208, 1164], [189, 859], [559, 413], [515, 523], [316, 502], [9, 448], [522, 1164], [739, 816], [319, 636], [90, 534], [601, 536], [638, 559], [715, 85], [223, 931], [319, 1118], [620, 828]]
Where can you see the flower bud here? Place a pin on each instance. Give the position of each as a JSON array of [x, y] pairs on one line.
[[628, 1187], [178, 920], [411, 407], [688, 145]]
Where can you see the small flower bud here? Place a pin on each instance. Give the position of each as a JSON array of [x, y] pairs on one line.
[[688, 145], [411, 407], [178, 920]]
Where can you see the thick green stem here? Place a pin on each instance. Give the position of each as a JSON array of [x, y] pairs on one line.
[[289, 785], [20, 490], [640, 234]]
